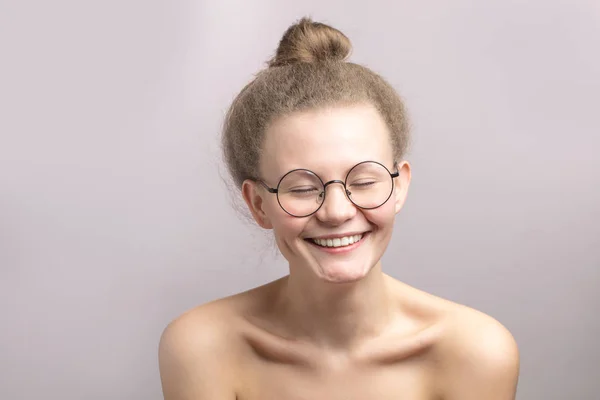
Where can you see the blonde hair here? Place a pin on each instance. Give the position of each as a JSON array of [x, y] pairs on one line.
[[309, 71]]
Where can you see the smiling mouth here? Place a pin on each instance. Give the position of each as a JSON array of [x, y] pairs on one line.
[[337, 242]]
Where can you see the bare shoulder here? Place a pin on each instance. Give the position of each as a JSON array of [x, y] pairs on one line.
[[475, 356], [200, 351], [479, 356], [197, 354]]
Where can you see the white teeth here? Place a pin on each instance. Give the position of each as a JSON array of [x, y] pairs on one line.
[[338, 242]]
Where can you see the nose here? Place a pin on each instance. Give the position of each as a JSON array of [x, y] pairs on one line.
[[336, 208]]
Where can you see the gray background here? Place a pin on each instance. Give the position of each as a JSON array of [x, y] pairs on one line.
[[114, 218]]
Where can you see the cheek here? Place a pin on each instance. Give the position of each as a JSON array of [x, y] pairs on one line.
[[287, 231], [274, 212], [383, 216], [286, 226]]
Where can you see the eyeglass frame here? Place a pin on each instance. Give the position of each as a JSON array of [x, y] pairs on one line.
[[325, 184]]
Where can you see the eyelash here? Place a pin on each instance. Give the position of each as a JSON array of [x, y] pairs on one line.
[[303, 190], [363, 184]]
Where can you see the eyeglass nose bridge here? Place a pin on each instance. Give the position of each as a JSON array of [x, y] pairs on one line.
[[322, 194]]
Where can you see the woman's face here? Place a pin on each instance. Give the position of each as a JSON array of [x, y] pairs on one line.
[[328, 142]]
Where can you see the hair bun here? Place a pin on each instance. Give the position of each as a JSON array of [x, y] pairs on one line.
[[309, 42]]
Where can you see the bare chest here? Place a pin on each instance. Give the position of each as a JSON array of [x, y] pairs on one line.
[[411, 380]]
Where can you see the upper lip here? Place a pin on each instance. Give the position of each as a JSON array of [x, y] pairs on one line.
[[338, 235]]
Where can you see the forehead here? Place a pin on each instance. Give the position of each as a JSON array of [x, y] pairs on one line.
[[327, 141]]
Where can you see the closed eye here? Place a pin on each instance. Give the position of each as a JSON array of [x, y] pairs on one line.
[[363, 184], [303, 190]]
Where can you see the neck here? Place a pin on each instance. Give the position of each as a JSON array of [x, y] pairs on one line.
[[336, 316]]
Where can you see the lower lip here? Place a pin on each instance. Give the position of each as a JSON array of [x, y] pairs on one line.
[[341, 249]]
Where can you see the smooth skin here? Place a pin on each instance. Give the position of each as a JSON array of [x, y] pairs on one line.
[[336, 327]]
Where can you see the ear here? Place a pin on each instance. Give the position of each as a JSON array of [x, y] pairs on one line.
[[401, 184], [252, 194]]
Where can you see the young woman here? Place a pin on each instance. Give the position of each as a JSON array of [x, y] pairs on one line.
[[316, 146]]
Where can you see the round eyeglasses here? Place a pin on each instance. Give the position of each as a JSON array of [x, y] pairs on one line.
[[301, 193]]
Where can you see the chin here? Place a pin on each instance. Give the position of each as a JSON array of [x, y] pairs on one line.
[[342, 272], [342, 278]]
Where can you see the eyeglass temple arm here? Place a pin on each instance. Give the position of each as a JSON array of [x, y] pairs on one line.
[[269, 189]]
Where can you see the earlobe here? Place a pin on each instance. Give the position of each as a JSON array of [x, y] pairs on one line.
[[401, 185], [254, 201]]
